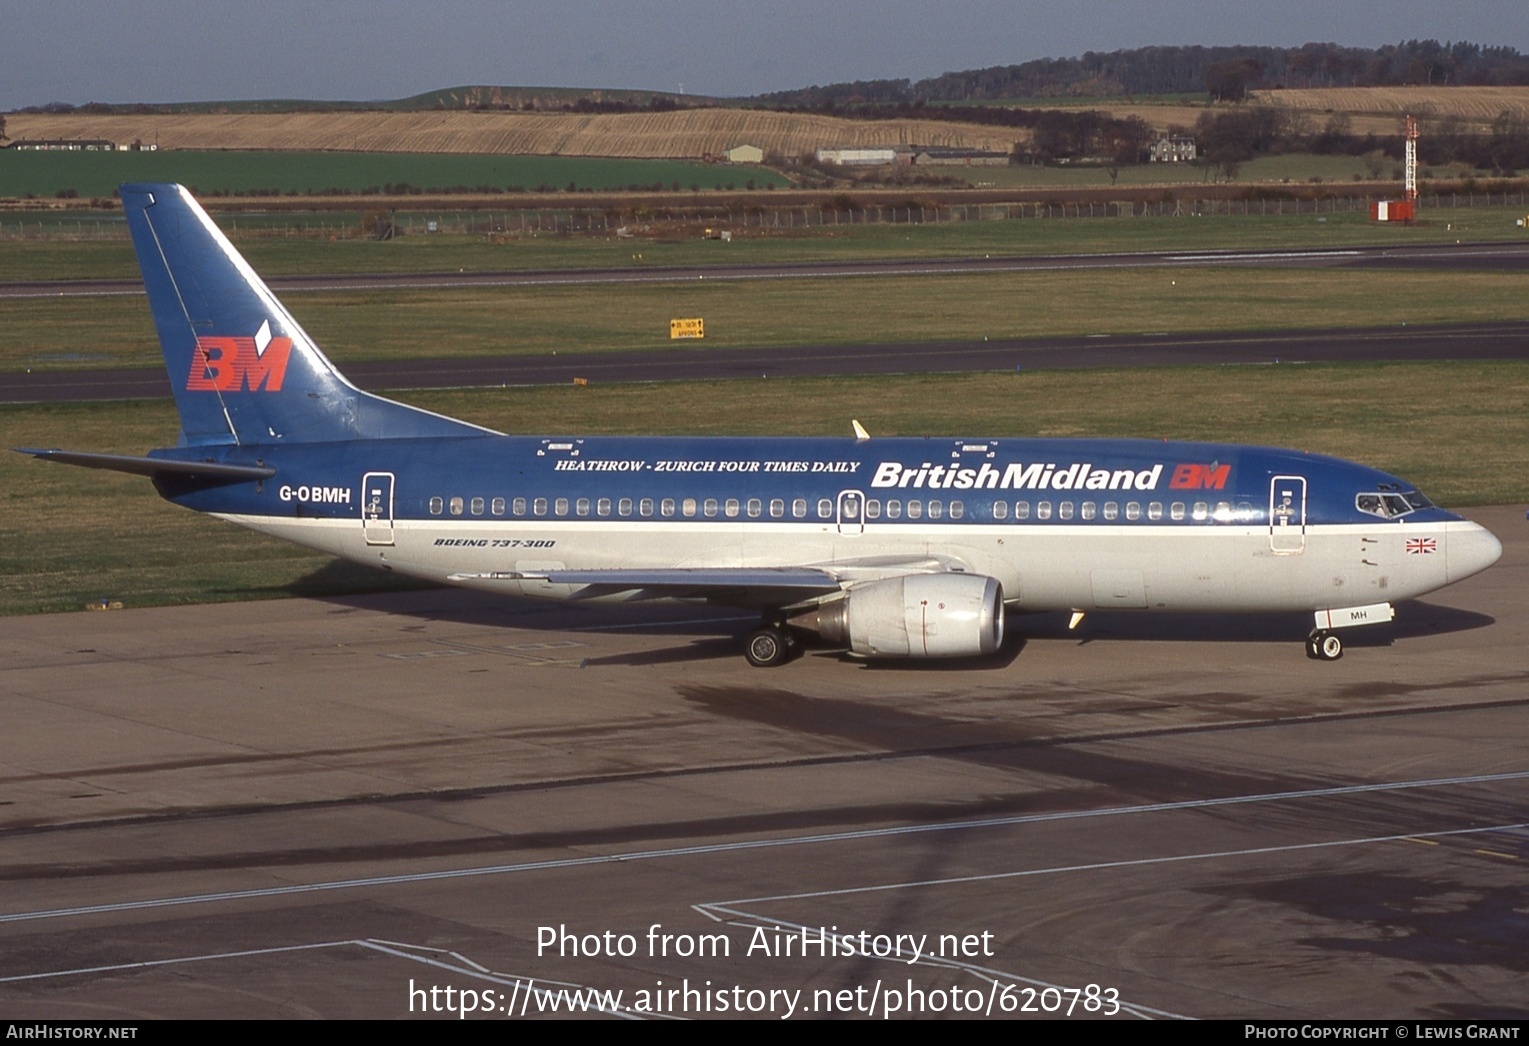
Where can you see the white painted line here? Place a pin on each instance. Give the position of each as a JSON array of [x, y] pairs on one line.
[[828, 837]]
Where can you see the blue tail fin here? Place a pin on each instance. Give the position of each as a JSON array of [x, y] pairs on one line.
[[242, 370]]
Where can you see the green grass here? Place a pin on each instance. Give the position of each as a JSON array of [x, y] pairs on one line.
[[65, 333], [1295, 170], [274, 254], [69, 535], [24, 173]]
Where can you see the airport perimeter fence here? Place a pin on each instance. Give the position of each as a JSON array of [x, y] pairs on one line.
[[642, 221]]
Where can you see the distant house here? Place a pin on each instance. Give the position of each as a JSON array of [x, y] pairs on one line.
[[744, 154], [1175, 149]]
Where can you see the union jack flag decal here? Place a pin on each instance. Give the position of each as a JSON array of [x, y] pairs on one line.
[[1422, 546]]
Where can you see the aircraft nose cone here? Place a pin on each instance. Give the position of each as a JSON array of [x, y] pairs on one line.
[[1471, 549]]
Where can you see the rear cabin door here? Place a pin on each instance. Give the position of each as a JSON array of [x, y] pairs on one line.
[[377, 508]]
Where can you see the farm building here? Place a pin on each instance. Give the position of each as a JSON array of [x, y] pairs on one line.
[[93, 145], [950, 157], [744, 154], [865, 155]]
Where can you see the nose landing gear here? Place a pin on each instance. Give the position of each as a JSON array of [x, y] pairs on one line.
[[1323, 645]]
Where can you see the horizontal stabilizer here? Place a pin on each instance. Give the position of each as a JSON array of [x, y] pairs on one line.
[[151, 466]]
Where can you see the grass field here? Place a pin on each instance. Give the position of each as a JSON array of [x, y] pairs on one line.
[[99, 173], [273, 254], [68, 535], [681, 134], [64, 333]]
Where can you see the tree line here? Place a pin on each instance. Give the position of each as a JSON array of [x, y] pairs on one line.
[[1227, 72]]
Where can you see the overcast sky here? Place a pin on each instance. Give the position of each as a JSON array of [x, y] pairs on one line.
[[195, 50]]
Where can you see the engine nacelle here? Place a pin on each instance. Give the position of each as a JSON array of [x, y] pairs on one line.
[[919, 615]]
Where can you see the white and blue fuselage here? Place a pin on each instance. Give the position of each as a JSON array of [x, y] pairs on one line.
[[890, 547]]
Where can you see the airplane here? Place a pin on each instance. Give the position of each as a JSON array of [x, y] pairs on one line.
[[889, 548]]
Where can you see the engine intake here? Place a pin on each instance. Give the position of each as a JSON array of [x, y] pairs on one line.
[[918, 615]]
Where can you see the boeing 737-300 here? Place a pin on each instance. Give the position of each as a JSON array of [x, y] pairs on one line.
[[887, 547]]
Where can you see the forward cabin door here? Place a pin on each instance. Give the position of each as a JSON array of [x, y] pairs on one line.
[[1287, 515], [377, 508]]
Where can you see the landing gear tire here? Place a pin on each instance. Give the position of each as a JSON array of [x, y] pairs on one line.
[[1324, 646], [769, 646]]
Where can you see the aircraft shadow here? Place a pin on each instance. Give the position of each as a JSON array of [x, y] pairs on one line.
[[706, 633]]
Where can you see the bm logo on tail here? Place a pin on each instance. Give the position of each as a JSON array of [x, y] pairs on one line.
[[256, 364]]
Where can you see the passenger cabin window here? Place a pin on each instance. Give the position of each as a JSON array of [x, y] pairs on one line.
[[957, 510], [711, 507], [825, 508], [1200, 511], [1133, 510], [560, 507], [603, 507], [1043, 510], [1021, 510], [581, 506], [666, 507], [624, 507], [936, 510], [436, 506], [477, 506], [1176, 510], [777, 508], [756, 508], [1088, 510], [915, 509], [894, 510], [456, 506], [497, 506], [873, 509], [1064, 510], [1000, 510], [687, 507], [539, 507], [799, 508], [518, 506], [1155, 511], [645, 508]]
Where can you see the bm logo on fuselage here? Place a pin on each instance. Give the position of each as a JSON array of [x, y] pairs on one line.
[[1200, 477], [239, 364]]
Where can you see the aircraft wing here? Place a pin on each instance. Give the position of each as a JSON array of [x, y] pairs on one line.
[[737, 586]]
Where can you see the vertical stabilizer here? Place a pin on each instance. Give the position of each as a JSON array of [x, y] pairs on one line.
[[242, 369]]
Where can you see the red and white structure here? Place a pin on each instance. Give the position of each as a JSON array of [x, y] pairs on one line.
[[1405, 209]]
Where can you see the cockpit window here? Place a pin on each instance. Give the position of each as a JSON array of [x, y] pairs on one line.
[[1387, 505]]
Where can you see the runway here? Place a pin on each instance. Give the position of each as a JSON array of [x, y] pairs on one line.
[[1494, 341], [330, 808], [1508, 256]]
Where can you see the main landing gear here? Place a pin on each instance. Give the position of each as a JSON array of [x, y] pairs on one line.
[[770, 645], [1323, 645]]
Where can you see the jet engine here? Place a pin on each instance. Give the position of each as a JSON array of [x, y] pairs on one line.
[[917, 615]]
